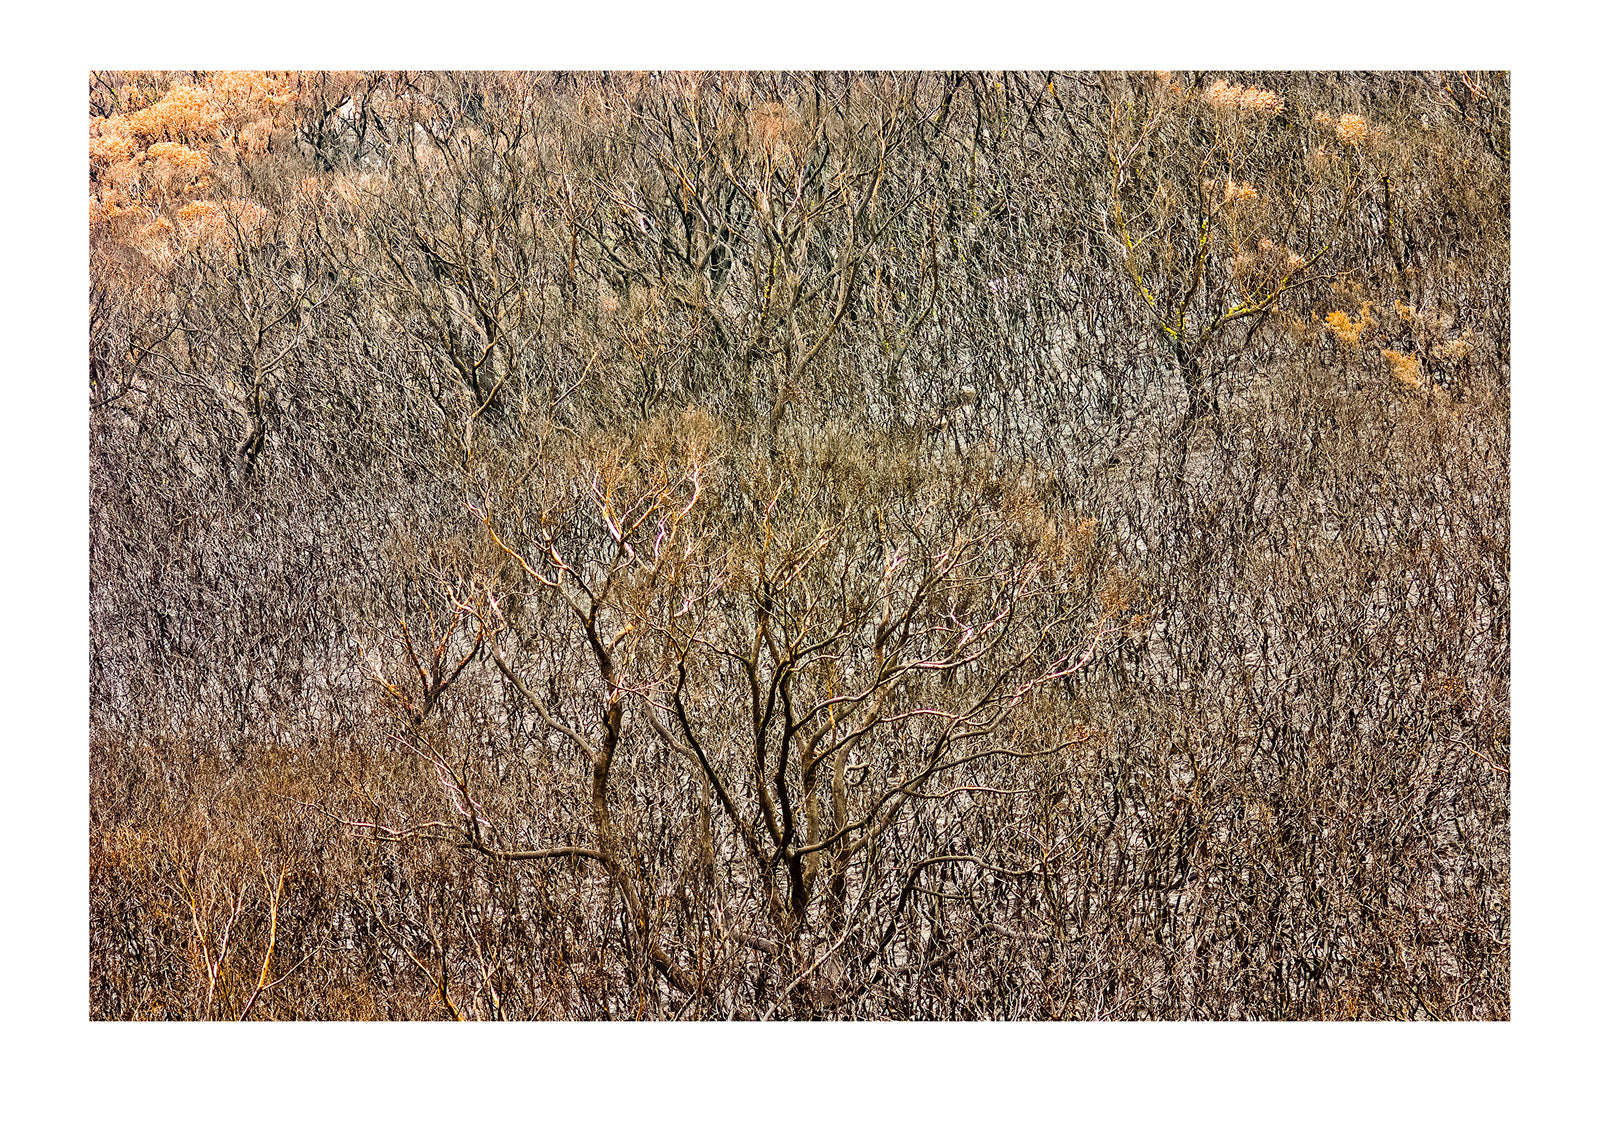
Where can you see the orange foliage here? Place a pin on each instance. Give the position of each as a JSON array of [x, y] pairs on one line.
[[164, 150], [1348, 330], [180, 157], [1351, 130], [1405, 368], [1242, 190], [184, 114], [1248, 100], [199, 212], [110, 148]]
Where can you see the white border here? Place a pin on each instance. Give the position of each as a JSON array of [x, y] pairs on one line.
[[1527, 1071]]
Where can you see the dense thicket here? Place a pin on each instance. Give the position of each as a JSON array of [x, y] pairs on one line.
[[804, 545]]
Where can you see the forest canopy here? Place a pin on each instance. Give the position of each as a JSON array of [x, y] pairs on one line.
[[799, 545]]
